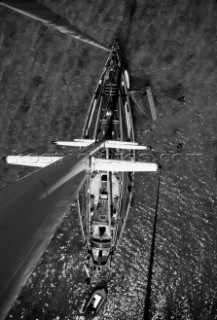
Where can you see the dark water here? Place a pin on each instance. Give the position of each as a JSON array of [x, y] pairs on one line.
[[172, 45]]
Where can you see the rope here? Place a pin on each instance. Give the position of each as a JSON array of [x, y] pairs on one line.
[[151, 261]]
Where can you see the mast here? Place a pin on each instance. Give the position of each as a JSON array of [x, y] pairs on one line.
[[30, 211]]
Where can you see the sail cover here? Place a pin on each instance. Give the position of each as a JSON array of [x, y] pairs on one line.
[[37, 11]]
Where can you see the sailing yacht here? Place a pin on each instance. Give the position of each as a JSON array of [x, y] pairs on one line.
[[105, 198], [100, 175]]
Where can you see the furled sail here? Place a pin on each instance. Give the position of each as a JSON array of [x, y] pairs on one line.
[[37, 11]]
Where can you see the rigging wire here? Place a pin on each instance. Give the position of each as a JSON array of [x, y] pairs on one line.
[[39, 12], [151, 261]]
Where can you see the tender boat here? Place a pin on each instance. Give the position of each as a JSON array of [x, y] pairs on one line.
[[94, 303]]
